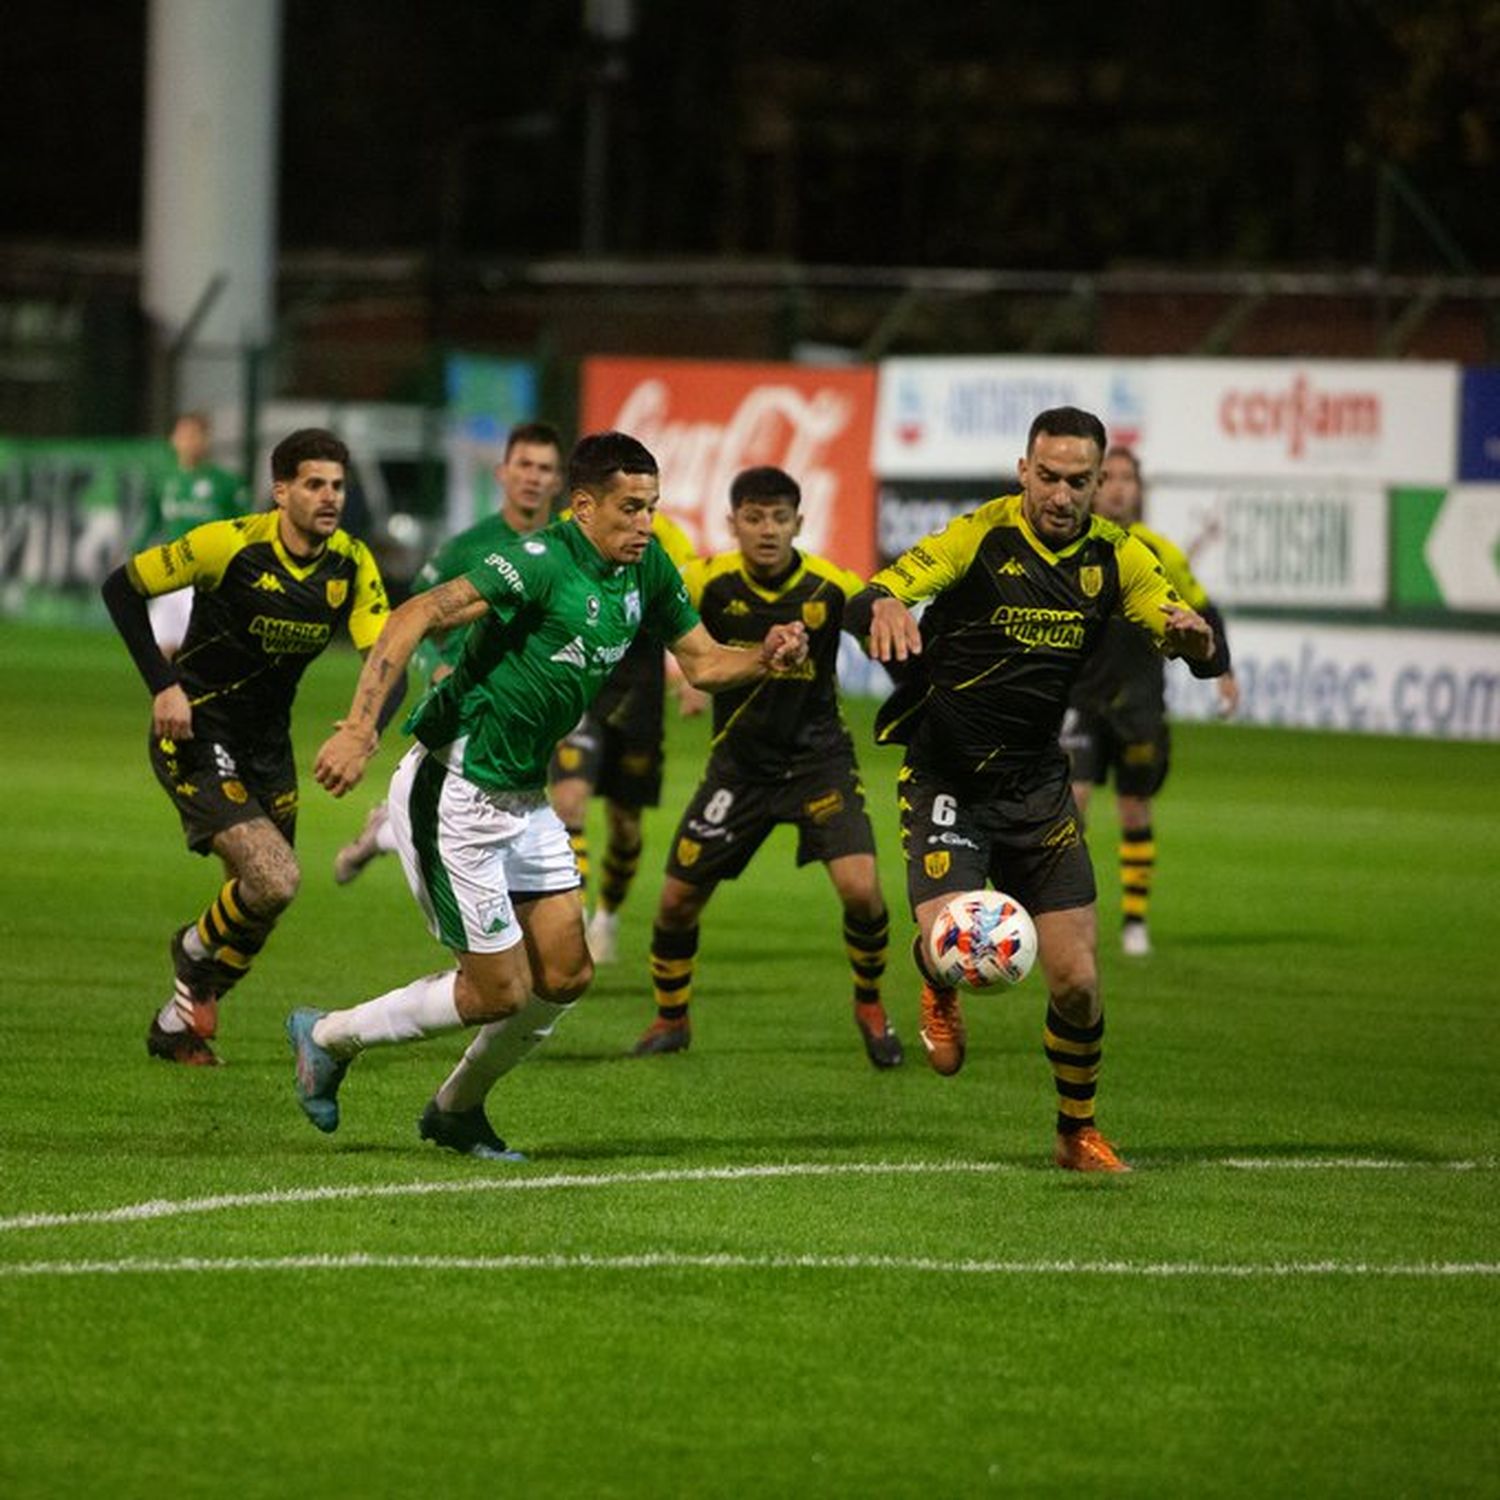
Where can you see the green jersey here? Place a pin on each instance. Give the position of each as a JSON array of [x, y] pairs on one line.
[[460, 554], [187, 498], [560, 618]]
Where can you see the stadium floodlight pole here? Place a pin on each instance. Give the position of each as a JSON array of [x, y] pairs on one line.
[[608, 25]]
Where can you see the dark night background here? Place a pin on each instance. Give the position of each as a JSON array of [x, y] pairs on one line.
[[899, 133]]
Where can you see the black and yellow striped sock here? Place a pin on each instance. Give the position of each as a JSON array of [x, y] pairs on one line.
[[233, 933], [578, 840], [865, 942], [672, 957], [1074, 1053], [1137, 866], [620, 864]]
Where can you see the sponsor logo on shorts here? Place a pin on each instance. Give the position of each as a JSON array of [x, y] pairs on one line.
[[494, 915], [186, 789], [824, 807], [956, 840], [1062, 835], [937, 863]]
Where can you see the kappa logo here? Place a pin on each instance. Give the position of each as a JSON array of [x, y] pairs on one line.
[[1012, 567], [572, 655], [736, 607], [269, 583]]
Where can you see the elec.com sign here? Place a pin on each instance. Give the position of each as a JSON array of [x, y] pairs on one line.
[[1282, 418]]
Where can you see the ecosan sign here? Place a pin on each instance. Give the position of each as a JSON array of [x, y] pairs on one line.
[[1270, 419], [1319, 545]]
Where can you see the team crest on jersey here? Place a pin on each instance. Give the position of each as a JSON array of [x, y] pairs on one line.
[[936, 863], [688, 851], [632, 603], [337, 590], [591, 609], [815, 614], [1091, 580]]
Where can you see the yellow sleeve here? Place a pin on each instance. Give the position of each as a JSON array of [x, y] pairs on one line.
[[371, 607], [938, 561], [198, 557], [695, 575], [847, 583], [674, 539], [1145, 589], [1174, 560]]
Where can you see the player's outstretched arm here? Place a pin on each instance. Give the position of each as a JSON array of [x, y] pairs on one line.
[[341, 761], [712, 666]]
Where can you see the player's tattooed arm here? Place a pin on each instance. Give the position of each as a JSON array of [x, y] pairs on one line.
[[342, 760]]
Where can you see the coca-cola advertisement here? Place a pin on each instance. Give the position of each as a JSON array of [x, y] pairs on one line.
[[706, 420]]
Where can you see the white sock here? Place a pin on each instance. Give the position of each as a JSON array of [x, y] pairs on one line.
[[425, 1007], [385, 838], [496, 1050], [170, 1017], [193, 944]]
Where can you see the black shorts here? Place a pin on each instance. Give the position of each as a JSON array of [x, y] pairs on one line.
[[616, 763], [1025, 839], [1136, 747], [730, 817], [214, 788]]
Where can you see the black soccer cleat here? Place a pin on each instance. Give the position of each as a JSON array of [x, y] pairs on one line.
[[465, 1131], [185, 1047], [882, 1045]]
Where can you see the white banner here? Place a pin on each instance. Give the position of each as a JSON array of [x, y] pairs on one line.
[[1438, 684], [1284, 418], [1317, 545], [968, 418]]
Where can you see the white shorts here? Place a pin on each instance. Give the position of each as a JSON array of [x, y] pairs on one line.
[[170, 614], [465, 850]]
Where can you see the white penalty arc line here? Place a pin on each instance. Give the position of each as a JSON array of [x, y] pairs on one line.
[[669, 1261], [172, 1208]]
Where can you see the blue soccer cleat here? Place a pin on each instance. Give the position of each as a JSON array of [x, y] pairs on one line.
[[319, 1072]]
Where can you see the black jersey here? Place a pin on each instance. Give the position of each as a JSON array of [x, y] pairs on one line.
[[259, 617], [782, 724], [1009, 626]]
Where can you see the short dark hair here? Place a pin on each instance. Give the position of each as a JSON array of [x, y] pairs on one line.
[[541, 434], [1068, 421], [764, 483], [305, 445], [600, 454]]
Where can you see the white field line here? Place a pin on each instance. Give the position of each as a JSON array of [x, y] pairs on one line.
[[172, 1208], [669, 1261]]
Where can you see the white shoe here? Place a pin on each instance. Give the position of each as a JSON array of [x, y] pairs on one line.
[[1135, 941], [603, 936], [353, 857]]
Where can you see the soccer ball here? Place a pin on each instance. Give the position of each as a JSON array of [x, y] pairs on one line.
[[982, 938]]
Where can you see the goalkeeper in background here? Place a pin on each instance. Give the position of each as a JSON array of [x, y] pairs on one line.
[[1116, 724]]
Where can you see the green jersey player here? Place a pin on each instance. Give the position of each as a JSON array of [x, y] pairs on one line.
[[485, 855], [530, 479]]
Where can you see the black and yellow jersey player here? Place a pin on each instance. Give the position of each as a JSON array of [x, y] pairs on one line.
[[270, 592], [780, 754], [1018, 593]]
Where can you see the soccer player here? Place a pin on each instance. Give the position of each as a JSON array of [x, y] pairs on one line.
[[485, 854], [530, 478], [615, 751], [780, 754], [1019, 592], [194, 493], [268, 591], [1116, 722]]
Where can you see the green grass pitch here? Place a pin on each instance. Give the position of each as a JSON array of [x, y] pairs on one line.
[[761, 1268]]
